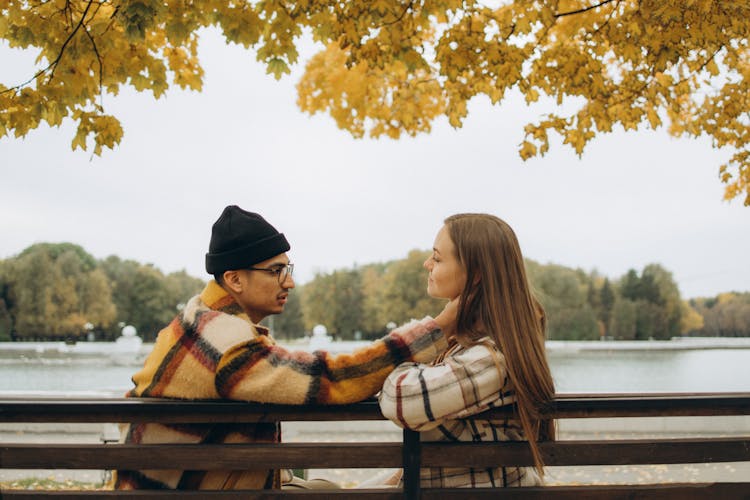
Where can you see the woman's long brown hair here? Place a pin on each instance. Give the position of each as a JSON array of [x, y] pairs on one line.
[[497, 301]]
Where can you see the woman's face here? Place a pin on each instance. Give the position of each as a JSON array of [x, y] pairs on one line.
[[447, 276]]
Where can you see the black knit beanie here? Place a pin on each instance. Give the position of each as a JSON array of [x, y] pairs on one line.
[[240, 239]]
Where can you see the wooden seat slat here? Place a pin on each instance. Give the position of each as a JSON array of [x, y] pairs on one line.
[[674, 491], [368, 455]]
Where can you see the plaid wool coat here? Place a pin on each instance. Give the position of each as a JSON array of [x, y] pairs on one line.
[[212, 350], [442, 401]]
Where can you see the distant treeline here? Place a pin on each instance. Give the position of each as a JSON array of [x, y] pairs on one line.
[[59, 291], [579, 305]]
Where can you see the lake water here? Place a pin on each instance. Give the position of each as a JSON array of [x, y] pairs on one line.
[[589, 370]]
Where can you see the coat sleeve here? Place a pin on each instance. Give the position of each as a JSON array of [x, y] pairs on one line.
[[259, 370], [421, 397]]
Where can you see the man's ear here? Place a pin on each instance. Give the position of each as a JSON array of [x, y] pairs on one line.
[[232, 280]]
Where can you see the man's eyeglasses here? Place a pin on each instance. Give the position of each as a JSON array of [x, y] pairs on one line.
[[282, 271]]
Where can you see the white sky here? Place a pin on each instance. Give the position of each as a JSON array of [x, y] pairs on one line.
[[632, 199]]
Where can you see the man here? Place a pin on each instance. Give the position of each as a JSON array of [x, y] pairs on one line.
[[215, 348]]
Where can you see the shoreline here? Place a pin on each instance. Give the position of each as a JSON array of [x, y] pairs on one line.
[[675, 344], [133, 353]]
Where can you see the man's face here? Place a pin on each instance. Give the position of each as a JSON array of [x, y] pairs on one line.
[[262, 294]]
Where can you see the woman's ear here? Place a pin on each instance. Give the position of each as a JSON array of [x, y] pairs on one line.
[[477, 278]]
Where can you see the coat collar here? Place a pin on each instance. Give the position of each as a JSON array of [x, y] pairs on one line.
[[218, 299]]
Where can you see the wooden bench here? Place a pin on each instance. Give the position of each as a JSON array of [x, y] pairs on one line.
[[409, 454]]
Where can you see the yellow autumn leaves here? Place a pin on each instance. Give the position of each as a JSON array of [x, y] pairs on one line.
[[363, 95], [388, 67]]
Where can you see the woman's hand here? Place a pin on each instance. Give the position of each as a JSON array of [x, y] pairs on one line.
[[446, 320], [394, 479]]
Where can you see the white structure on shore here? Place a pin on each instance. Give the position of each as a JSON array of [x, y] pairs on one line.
[[320, 340], [126, 349], [128, 341]]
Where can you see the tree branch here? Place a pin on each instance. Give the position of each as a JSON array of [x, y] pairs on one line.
[[401, 16], [609, 18], [53, 65], [101, 67], [580, 11]]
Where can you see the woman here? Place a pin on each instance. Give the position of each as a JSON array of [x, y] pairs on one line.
[[495, 357]]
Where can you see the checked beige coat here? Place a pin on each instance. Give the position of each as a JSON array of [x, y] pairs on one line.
[[442, 401]]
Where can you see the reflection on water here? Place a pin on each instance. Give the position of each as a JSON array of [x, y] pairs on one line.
[[64, 375], [610, 371], [710, 370]]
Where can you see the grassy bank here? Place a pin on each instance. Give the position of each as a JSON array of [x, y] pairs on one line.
[[35, 483]]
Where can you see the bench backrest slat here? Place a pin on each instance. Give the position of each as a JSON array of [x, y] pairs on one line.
[[176, 411]]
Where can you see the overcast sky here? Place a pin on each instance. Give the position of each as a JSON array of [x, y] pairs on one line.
[[632, 199]]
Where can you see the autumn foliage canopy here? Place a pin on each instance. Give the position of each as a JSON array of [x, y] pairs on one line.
[[387, 67]]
